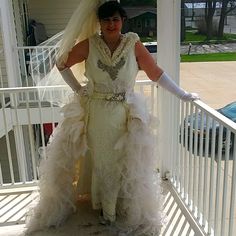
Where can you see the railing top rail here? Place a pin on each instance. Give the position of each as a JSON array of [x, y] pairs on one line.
[[51, 39], [216, 115], [35, 88], [145, 82]]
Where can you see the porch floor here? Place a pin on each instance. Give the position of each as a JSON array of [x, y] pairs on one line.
[[13, 205]]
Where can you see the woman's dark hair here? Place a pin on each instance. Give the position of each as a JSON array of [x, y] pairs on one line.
[[108, 9]]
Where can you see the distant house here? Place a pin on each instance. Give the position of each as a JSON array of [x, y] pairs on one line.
[[142, 20]]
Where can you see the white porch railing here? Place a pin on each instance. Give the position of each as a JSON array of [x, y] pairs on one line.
[[35, 63], [204, 175], [26, 124]]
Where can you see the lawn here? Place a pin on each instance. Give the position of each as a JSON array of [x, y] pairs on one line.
[[194, 37], [231, 56]]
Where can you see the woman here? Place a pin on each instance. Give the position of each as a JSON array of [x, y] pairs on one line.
[[106, 128]]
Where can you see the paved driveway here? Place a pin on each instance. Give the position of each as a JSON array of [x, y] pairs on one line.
[[215, 82]]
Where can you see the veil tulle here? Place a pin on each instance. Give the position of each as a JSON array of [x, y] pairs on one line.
[[82, 24]]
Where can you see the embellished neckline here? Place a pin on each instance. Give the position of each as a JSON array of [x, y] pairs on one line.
[[107, 49], [126, 41], [116, 44]]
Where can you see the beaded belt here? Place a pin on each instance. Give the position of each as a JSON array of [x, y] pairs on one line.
[[112, 97]]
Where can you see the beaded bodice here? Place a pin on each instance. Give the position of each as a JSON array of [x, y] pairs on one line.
[[112, 73]]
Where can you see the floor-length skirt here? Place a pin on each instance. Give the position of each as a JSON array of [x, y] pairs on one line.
[[116, 150]]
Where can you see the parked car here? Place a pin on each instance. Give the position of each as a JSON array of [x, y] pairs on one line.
[[230, 112], [152, 48]]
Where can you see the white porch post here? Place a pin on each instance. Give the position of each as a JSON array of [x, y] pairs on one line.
[[9, 42], [168, 57]]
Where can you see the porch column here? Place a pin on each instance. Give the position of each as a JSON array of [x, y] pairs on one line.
[[168, 57], [9, 42]]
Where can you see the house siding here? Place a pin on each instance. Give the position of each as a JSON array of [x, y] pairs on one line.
[[53, 14], [3, 71]]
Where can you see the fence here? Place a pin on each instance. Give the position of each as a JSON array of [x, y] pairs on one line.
[[204, 175], [28, 121]]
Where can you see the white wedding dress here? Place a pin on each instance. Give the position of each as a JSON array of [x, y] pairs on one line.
[[103, 147]]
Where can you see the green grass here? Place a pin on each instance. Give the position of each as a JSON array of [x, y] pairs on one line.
[[192, 36], [209, 57]]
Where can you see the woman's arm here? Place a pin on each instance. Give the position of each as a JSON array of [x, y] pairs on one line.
[[78, 54], [146, 62], [155, 73]]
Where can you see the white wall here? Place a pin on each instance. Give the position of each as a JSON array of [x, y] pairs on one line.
[[9, 37], [3, 72], [54, 14]]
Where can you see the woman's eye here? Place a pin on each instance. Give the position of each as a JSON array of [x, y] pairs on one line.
[[117, 19]]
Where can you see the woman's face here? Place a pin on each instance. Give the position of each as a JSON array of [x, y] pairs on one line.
[[111, 26]]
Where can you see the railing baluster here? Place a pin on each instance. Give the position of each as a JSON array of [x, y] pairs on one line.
[[225, 184], [190, 156], [217, 221], [32, 143], [186, 166], [18, 135], [196, 167], [212, 180], [1, 178], [7, 139], [41, 128], [182, 149], [205, 188], [201, 169], [233, 193]]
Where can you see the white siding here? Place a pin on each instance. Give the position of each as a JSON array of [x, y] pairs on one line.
[[54, 14], [3, 72]]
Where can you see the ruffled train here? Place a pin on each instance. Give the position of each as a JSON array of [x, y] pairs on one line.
[[139, 202]]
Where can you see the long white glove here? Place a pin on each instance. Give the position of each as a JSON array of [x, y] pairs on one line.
[[70, 79], [166, 82]]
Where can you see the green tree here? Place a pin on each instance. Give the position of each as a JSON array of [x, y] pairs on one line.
[[210, 8], [182, 27], [226, 7]]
